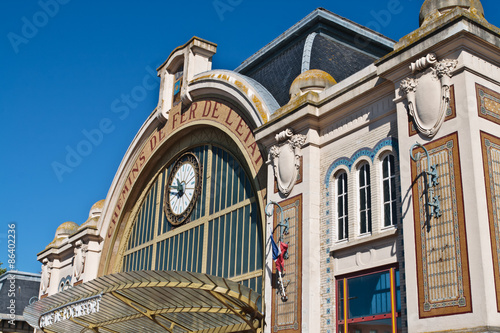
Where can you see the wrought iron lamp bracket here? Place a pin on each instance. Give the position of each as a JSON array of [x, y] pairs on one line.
[[431, 174], [284, 225]]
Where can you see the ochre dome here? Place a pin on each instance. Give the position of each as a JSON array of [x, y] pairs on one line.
[[66, 229], [98, 205], [312, 80], [435, 8], [96, 209]]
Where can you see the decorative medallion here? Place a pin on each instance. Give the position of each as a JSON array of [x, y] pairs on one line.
[[428, 92], [285, 158], [182, 189]]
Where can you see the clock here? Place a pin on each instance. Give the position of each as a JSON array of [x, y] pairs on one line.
[[182, 189]]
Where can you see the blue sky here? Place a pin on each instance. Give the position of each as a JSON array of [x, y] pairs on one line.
[[65, 63]]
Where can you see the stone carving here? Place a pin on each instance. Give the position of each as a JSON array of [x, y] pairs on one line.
[[428, 92], [285, 158], [79, 259], [46, 272]]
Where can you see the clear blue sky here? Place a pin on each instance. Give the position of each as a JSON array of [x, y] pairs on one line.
[[62, 68]]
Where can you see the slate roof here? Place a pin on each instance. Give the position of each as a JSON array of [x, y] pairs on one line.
[[322, 40]]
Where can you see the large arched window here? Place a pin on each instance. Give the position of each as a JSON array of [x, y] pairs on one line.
[[389, 191], [222, 236]]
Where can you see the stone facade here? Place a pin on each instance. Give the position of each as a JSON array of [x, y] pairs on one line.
[[387, 177]]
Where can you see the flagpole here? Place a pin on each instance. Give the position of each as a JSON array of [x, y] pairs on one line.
[[283, 293], [284, 298]]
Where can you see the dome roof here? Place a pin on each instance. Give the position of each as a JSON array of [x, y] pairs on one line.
[[96, 209], [66, 229], [311, 80], [98, 204], [434, 8]]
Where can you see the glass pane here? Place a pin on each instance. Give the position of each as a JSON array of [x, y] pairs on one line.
[[341, 228], [373, 326], [369, 295], [386, 191], [385, 167], [387, 214], [340, 300], [369, 197], [340, 206], [362, 176], [367, 174], [362, 197], [394, 212], [369, 221], [393, 188]]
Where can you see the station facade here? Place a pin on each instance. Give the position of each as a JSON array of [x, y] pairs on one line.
[[372, 164]]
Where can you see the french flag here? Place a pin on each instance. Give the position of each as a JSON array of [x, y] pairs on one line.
[[278, 253]]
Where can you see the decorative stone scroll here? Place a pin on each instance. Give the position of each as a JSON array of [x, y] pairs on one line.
[[285, 158], [428, 92]]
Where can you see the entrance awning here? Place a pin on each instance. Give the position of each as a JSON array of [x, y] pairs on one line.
[[149, 301]]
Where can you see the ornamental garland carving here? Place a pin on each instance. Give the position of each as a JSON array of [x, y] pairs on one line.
[[428, 92], [285, 158]]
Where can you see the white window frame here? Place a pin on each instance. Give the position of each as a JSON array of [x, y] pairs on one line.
[[364, 190], [390, 180], [344, 196]]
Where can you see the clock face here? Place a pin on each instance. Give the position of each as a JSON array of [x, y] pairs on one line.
[[182, 189]]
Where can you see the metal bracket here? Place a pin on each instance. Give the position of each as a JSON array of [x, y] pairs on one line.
[[433, 202], [284, 225]]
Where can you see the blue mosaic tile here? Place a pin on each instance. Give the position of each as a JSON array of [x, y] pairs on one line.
[[327, 290], [328, 270], [348, 162], [327, 260], [328, 300], [328, 321], [328, 311]]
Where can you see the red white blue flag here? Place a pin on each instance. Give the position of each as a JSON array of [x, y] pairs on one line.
[[278, 253]]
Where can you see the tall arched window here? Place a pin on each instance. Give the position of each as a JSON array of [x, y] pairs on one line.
[[342, 206], [365, 201], [389, 190], [222, 236]]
